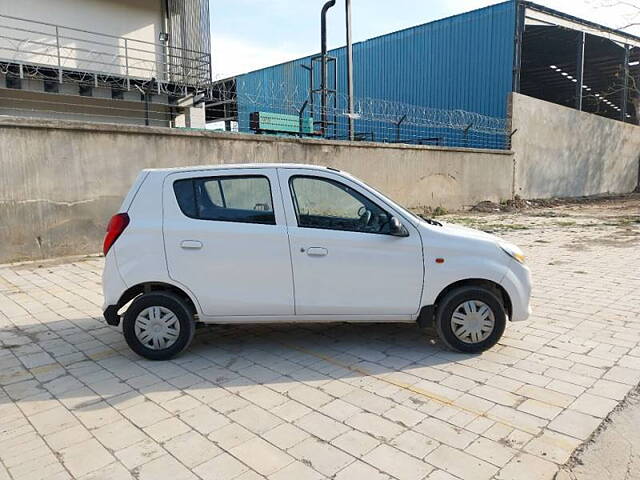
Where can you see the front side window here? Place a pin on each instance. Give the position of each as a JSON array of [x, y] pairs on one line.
[[327, 204], [245, 199]]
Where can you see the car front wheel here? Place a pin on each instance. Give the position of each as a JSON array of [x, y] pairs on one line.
[[471, 319], [158, 325]]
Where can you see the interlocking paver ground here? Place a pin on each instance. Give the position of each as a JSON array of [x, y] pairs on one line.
[[316, 401]]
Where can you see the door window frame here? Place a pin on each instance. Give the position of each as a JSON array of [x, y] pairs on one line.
[[342, 186]]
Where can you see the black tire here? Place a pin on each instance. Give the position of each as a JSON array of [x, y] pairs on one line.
[[452, 301], [166, 300]]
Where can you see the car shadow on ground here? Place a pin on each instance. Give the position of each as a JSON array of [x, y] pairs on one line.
[[227, 358]]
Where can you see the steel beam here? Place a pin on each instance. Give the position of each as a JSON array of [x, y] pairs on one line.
[[580, 69], [519, 42], [625, 83]]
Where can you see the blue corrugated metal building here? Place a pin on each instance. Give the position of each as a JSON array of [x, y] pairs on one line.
[[459, 69]]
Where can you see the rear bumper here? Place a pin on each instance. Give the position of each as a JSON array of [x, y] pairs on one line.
[[113, 287], [111, 315], [517, 283]]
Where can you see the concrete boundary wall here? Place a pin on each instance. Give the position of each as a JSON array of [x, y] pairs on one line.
[[61, 180], [562, 152]]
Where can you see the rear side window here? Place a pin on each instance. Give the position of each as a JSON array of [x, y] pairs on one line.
[[185, 194], [245, 199]]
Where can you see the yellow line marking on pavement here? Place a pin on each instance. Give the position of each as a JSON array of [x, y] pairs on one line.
[[361, 371], [102, 354], [425, 393]]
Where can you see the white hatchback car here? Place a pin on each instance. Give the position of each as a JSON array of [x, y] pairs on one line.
[[295, 243]]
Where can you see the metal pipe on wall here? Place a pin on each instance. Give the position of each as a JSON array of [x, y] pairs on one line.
[[350, 72], [166, 26], [323, 45]]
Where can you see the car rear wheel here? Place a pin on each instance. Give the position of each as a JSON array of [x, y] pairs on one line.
[[471, 319], [158, 325]]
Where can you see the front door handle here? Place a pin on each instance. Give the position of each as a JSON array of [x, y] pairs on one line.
[[191, 244], [317, 252]]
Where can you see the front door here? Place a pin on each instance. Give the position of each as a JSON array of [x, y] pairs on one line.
[[345, 261], [226, 240]]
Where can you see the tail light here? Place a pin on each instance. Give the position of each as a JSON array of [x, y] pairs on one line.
[[116, 226]]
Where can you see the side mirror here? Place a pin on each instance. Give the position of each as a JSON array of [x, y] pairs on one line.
[[397, 229]]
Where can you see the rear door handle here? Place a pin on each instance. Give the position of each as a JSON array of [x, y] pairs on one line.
[[317, 252], [191, 244]]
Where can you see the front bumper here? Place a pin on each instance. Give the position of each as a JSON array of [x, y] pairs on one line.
[[517, 283], [111, 315]]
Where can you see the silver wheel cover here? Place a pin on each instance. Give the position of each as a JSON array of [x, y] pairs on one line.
[[472, 321], [157, 328]]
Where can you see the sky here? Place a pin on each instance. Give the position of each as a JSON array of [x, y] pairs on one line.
[[251, 34]]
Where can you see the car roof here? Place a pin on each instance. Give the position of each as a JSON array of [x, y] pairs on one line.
[[238, 166]]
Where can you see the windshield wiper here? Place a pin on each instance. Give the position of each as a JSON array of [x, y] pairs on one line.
[[431, 221]]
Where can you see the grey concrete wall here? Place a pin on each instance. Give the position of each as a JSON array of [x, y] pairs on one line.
[[561, 152], [61, 181]]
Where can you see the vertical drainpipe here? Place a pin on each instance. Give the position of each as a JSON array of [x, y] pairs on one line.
[[350, 72], [165, 64], [166, 27], [323, 45], [580, 70]]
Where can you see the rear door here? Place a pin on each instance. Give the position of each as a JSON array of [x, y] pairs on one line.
[[345, 262], [226, 240]]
